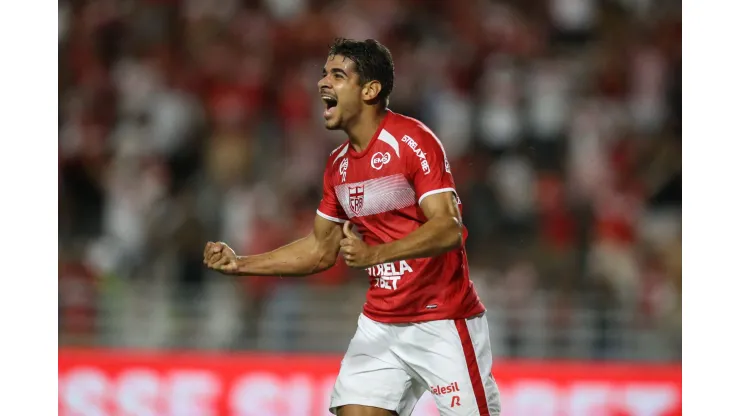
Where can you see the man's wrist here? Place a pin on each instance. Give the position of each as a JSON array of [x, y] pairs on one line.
[[241, 262], [380, 253]]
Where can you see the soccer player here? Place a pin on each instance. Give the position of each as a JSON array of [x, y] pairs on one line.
[[423, 327]]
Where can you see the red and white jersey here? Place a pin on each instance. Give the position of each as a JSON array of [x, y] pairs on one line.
[[380, 191]]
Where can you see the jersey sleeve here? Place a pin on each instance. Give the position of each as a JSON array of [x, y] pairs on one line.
[[329, 206], [427, 165]]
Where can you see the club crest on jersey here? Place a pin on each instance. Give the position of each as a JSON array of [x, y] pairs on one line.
[[356, 198], [379, 160]]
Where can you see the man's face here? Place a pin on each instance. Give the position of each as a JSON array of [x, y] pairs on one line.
[[341, 92]]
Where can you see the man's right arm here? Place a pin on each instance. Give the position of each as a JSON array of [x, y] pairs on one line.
[[311, 254]]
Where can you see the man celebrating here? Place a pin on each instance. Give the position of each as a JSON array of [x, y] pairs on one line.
[[423, 327]]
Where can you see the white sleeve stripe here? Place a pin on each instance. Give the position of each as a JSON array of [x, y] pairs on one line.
[[329, 217], [437, 191]]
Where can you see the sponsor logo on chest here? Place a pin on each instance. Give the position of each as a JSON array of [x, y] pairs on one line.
[[387, 275], [379, 160]]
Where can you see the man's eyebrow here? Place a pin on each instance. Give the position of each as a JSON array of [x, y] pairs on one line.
[[334, 71]]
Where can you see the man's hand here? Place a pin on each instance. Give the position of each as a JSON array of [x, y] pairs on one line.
[[220, 257], [355, 252]]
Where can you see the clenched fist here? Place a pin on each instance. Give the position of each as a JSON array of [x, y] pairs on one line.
[[355, 252], [220, 257]]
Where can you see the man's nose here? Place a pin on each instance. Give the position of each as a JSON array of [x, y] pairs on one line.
[[323, 83]]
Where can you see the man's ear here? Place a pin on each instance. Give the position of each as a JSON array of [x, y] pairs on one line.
[[371, 91]]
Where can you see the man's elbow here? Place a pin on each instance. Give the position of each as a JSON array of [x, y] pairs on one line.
[[326, 260], [454, 234], [326, 263]]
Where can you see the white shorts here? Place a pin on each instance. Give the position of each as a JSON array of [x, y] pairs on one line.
[[390, 366]]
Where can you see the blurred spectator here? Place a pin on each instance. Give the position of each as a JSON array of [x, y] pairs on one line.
[[77, 301]]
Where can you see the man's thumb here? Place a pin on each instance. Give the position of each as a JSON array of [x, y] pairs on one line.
[[348, 230]]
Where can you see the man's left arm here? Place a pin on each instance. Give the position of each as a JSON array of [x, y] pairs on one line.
[[442, 232]]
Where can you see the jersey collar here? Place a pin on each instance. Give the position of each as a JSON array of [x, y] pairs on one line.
[[355, 154]]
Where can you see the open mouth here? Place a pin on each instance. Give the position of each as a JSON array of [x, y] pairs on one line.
[[330, 103]]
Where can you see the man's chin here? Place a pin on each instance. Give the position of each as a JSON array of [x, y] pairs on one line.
[[331, 124]]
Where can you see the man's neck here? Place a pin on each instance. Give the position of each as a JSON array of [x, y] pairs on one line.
[[362, 132]]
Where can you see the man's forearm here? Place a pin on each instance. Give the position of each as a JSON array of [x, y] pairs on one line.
[[433, 238], [300, 258]]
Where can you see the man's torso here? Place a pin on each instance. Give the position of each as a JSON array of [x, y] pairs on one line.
[[379, 191]]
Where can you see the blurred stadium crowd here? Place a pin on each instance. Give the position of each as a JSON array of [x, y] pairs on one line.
[[194, 120]]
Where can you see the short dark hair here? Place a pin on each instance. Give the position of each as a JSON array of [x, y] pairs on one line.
[[373, 61]]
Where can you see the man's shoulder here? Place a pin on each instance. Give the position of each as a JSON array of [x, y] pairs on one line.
[[410, 133], [400, 125]]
